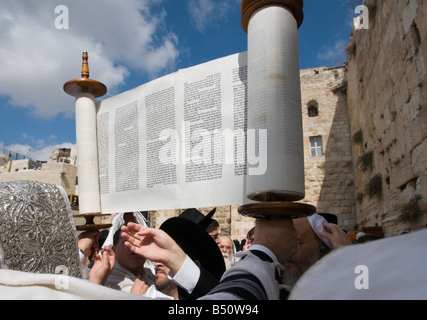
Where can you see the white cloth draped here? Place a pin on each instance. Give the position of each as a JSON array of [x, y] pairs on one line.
[[387, 269], [118, 222], [123, 280]]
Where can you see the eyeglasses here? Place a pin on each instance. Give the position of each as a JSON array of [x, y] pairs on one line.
[[215, 236]]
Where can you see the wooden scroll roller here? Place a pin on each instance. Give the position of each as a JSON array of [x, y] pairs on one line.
[[274, 82], [85, 91], [85, 85]]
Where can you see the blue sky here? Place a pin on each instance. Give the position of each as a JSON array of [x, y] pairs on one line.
[[130, 42]]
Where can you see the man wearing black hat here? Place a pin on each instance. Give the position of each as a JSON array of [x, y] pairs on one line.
[[189, 232]]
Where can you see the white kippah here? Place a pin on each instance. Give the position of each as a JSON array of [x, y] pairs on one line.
[[317, 221]]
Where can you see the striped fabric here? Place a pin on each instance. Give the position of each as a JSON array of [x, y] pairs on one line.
[[242, 286]]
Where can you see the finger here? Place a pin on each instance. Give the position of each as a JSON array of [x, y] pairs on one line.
[[133, 227], [145, 231], [131, 247], [106, 254], [131, 232], [332, 228], [132, 236], [128, 230], [325, 235], [131, 240], [105, 260], [106, 263], [107, 249]]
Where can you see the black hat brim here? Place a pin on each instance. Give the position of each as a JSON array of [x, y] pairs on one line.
[[196, 243]]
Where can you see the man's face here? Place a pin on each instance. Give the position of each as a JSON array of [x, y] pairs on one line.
[[161, 272], [126, 258], [215, 235], [225, 245], [162, 281], [308, 252]]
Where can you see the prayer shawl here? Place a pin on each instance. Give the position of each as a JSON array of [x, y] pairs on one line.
[[253, 277], [118, 222], [16, 285]]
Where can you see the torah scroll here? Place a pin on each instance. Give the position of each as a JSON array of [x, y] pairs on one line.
[[182, 141], [274, 103]]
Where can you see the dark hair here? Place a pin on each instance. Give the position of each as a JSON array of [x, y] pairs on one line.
[[117, 236], [214, 225], [250, 233], [367, 237]]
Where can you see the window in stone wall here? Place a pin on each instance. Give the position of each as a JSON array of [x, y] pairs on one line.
[[316, 146], [313, 109]]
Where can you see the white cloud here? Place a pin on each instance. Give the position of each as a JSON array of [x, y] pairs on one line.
[[205, 13], [36, 59], [333, 55]]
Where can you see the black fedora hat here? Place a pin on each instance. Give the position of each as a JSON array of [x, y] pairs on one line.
[[189, 232], [330, 217]]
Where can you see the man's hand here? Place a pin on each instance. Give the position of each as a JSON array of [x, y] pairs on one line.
[[337, 236], [279, 235], [102, 267], [155, 245], [88, 242], [139, 287]]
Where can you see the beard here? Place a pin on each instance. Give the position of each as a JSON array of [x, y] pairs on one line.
[[290, 279], [228, 259], [295, 269], [165, 285]]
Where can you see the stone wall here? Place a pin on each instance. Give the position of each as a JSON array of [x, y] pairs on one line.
[[19, 165], [54, 173], [387, 97], [329, 178]]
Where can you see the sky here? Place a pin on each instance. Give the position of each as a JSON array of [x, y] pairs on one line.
[[130, 42]]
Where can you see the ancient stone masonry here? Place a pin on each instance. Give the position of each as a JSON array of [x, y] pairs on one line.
[[387, 97], [329, 181]]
